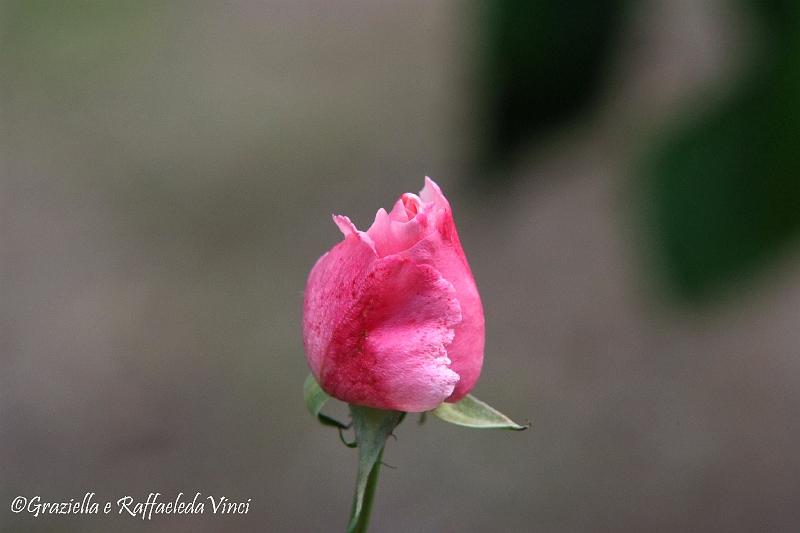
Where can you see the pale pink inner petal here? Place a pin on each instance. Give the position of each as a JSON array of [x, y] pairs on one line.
[[347, 228], [345, 225], [395, 231], [432, 193], [411, 219], [411, 204], [399, 213]]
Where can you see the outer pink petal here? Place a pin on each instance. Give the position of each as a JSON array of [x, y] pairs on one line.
[[389, 350], [333, 287], [442, 250]]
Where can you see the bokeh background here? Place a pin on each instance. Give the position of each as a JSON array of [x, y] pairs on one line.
[[624, 176]]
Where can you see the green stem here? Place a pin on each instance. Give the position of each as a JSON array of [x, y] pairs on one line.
[[372, 428], [369, 495]]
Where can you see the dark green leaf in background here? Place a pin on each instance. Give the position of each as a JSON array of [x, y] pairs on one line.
[[543, 64], [722, 190]]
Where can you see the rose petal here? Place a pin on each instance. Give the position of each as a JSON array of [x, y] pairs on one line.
[[332, 288], [392, 234], [442, 249], [389, 350]]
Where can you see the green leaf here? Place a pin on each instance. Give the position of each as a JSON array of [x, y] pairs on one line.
[[718, 188], [472, 413], [372, 427], [315, 399], [542, 65]]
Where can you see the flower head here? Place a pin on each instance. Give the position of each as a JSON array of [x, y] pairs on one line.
[[392, 318]]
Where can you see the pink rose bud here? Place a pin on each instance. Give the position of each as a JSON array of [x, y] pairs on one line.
[[392, 318]]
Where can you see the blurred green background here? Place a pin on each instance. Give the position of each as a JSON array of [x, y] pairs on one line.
[[624, 177]]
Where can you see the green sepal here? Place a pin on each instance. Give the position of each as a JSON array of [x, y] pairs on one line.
[[315, 399], [372, 428], [472, 413]]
